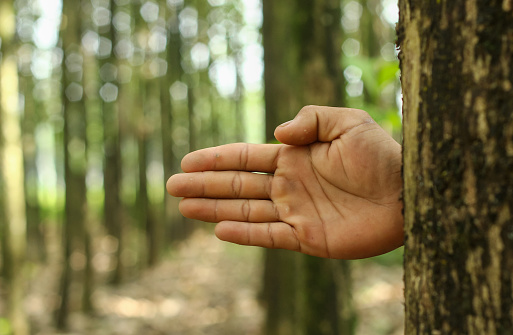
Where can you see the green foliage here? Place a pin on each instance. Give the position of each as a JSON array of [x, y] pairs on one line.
[[5, 327]]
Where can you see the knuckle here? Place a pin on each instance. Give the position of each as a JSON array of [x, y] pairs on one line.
[[244, 156], [216, 210], [270, 234], [248, 234], [276, 212], [297, 239], [246, 210], [308, 109], [237, 185]]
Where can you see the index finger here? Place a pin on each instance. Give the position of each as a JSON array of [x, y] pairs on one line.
[[236, 157]]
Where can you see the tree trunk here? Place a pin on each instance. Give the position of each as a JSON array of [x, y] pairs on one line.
[[11, 157], [151, 111], [36, 247], [303, 294], [169, 160], [109, 93], [178, 227], [75, 162], [457, 76]]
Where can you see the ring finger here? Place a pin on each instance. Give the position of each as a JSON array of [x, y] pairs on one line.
[[216, 210]]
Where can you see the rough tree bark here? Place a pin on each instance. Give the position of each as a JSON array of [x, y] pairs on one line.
[[457, 76]]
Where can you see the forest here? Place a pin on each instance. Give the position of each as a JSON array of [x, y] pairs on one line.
[[100, 100]]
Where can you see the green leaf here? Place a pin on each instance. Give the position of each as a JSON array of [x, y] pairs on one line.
[[5, 327]]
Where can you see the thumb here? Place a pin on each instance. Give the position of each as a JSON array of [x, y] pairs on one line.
[[320, 123]]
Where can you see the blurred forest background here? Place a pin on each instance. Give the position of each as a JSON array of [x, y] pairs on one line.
[[100, 99]]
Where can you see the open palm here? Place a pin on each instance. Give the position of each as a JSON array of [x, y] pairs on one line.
[[333, 190]]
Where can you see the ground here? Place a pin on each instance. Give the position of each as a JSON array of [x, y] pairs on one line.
[[207, 287]]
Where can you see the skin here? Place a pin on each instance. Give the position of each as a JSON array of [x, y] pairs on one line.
[[332, 189]]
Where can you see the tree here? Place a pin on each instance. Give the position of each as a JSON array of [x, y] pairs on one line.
[[75, 237], [109, 93], [303, 294], [11, 156], [14, 225], [457, 76]]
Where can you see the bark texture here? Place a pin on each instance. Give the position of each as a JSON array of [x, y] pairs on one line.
[[457, 76]]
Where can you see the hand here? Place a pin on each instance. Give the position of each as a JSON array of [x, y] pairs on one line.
[[331, 190]]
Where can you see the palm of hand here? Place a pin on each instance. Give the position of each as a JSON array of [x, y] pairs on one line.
[[335, 195]]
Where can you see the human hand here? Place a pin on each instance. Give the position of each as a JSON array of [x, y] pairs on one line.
[[331, 190]]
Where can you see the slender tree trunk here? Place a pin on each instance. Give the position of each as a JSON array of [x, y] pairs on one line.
[[172, 57], [75, 160], [35, 238], [109, 93], [14, 231], [178, 227], [151, 120], [303, 294], [191, 102], [457, 76], [142, 130]]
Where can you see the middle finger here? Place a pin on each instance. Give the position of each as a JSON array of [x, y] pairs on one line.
[[220, 184]]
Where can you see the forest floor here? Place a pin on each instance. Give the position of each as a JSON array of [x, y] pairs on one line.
[[207, 287]]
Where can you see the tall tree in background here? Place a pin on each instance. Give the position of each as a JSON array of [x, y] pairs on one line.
[[109, 93], [155, 67], [457, 77], [14, 227], [30, 119], [75, 240], [303, 294], [142, 127], [174, 73]]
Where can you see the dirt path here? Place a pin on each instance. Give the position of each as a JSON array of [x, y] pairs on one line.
[[208, 287]]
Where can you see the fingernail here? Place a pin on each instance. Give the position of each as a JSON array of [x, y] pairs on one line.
[[285, 124]]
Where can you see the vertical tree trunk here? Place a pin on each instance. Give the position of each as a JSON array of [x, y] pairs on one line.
[[151, 120], [172, 57], [457, 76], [109, 93], [75, 160], [36, 248], [142, 132], [178, 225], [14, 231], [303, 294]]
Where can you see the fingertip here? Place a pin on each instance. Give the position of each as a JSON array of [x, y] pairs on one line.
[[169, 185], [191, 209], [200, 160], [182, 206], [222, 230], [284, 124], [230, 231], [174, 186], [190, 162], [300, 131]]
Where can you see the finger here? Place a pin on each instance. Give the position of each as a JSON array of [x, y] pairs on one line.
[[236, 156], [320, 123], [215, 210], [220, 184], [274, 235]]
